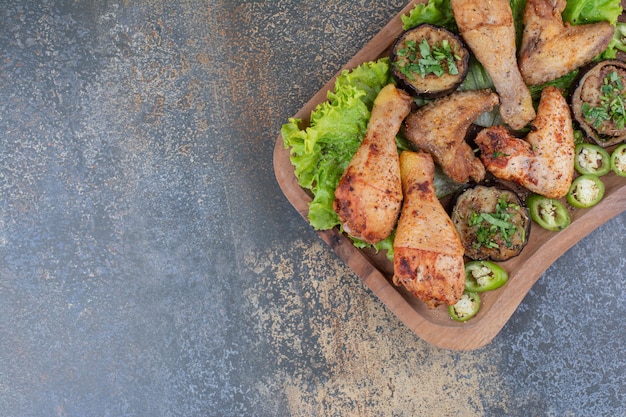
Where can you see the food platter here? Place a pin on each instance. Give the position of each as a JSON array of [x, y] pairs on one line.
[[434, 325]]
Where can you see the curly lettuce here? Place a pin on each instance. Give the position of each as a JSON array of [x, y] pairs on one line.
[[434, 12]]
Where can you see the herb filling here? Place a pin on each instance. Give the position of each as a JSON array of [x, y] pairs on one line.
[[491, 227], [612, 106], [423, 60]]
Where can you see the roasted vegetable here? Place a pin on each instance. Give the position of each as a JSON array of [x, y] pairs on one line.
[[466, 308], [586, 191], [599, 102], [548, 213], [481, 276], [591, 159], [618, 160], [492, 221], [429, 61]]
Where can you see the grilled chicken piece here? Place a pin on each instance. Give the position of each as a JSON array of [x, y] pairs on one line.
[[487, 27], [551, 49], [369, 195], [440, 128], [428, 253], [544, 162]]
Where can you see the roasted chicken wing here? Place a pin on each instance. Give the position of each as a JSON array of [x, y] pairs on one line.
[[551, 49], [428, 253], [487, 27], [440, 128], [544, 162], [369, 195]]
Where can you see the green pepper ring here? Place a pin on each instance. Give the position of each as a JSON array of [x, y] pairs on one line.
[[497, 276], [618, 152], [475, 298], [605, 167], [548, 213], [572, 194]]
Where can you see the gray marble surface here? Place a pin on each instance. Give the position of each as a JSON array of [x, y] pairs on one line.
[[150, 265]]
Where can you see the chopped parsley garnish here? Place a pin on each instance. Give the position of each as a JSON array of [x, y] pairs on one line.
[[612, 106], [421, 59], [494, 227], [497, 154]]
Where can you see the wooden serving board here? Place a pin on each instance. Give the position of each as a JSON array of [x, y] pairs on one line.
[[434, 325]]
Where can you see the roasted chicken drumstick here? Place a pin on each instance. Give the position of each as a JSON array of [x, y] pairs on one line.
[[428, 253], [369, 194], [487, 27]]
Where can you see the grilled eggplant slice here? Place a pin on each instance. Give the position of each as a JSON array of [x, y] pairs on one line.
[[598, 102], [429, 61], [492, 221]]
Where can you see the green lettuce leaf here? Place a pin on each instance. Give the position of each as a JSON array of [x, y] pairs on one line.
[[579, 12], [321, 151], [435, 12]]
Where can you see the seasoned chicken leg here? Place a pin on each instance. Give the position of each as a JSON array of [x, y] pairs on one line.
[[487, 27], [440, 128], [544, 162], [551, 49], [369, 195], [428, 253]]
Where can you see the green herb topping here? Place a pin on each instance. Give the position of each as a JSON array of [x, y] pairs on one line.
[[421, 59], [497, 154], [491, 227], [612, 106]]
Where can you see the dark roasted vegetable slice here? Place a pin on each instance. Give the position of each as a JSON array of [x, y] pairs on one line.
[[599, 102], [466, 308], [548, 213], [492, 221], [586, 191], [591, 159], [618, 160], [481, 276], [429, 61]]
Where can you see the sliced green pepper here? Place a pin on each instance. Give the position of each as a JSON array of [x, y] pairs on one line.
[[481, 276], [591, 159], [618, 160], [466, 308], [548, 213], [585, 191]]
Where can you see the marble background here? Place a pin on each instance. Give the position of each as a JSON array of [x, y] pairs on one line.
[[151, 266]]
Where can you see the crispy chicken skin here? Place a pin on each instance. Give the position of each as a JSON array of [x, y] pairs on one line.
[[440, 128], [369, 195], [551, 49], [544, 162], [487, 27], [428, 253]]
